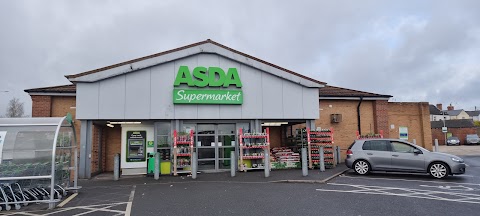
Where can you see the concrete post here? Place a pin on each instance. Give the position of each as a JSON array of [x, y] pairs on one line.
[[156, 171], [116, 167], [304, 162], [194, 165], [414, 141], [232, 164], [322, 159], [436, 145], [267, 163]]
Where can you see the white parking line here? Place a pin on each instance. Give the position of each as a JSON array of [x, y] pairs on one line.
[[414, 193], [128, 211], [409, 180]]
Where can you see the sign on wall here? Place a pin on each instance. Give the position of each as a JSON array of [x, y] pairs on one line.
[[203, 77], [136, 141], [403, 131], [3, 134]]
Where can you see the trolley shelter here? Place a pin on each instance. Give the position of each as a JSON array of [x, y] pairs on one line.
[[38, 161]]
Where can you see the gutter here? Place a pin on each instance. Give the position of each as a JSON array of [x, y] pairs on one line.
[[358, 115]]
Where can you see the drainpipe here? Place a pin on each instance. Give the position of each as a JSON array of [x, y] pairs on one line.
[[358, 115]]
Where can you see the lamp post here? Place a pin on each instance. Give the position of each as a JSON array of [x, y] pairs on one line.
[[445, 133]]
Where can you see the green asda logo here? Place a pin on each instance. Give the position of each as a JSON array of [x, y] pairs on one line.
[[202, 77], [207, 77]]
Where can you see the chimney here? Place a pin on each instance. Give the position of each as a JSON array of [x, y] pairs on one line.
[[450, 107], [439, 106]]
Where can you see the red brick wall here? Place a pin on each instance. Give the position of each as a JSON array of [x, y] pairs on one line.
[[113, 145], [380, 117], [95, 165], [461, 133], [41, 106], [275, 137]]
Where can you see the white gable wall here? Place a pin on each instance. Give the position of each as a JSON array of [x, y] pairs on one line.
[[148, 94]]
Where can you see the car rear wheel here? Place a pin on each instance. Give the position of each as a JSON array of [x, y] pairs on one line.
[[361, 167], [438, 170]]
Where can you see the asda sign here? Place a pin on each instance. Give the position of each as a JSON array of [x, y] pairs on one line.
[[200, 79]]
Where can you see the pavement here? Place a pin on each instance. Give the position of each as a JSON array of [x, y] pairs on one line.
[[462, 150], [103, 196], [287, 175]]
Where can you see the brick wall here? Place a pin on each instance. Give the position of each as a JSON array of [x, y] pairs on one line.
[[96, 136], [345, 131], [275, 137], [461, 133], [41, 106], [414, 116], [113, 145], [380, 117]]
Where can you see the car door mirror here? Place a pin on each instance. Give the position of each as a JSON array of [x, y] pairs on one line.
[[417, 151]]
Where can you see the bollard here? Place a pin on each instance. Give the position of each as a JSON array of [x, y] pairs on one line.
[[267, 163], [194, 165], [436, 145], [232, 163], [414, 141], [322, 159], [339, 156], [116, 167], [156, 171], [304, 162]]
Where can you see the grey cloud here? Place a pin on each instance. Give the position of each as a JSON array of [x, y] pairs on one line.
[[330, 41]]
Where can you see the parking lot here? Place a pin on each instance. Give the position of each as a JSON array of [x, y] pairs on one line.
[[378, 193]]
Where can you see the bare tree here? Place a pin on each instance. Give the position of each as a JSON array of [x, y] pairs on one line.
[[15, 109]]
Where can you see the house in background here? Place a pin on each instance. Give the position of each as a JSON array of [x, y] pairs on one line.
[[474, 115], [437, 114]]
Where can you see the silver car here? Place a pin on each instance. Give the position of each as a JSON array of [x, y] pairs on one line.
[[400, 156], [472, 139]]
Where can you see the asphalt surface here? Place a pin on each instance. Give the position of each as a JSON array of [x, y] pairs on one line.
[[348, 194]]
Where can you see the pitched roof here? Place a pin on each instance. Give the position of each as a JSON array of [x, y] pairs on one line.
[[333, 91], [187, 47], [453, 112], [457, 123], [434, 110], [473, 113], [54, 89]]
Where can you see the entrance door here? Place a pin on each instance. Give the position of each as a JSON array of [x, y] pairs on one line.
[[214, 145]]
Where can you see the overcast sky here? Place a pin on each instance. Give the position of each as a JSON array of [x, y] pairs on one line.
[[414, 50]]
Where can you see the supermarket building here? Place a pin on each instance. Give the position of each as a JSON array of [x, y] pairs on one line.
[[212, 90]]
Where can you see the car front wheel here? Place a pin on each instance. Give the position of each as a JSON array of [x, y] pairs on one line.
[[361, 167], [438, 170]]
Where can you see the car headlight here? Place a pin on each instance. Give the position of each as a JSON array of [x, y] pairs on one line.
[[459, 160]]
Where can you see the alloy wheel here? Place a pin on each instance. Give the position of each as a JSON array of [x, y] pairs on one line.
[[361, 167], [438, 170]]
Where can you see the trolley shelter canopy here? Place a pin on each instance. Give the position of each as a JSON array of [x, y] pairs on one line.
[[38, 152]]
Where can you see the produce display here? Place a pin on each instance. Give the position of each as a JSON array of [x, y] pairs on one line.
[[182, 152], [284, 158], [252, 149]]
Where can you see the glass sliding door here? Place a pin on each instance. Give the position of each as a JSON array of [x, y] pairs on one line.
[[214, 145], [206, 145], [226, 143]]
